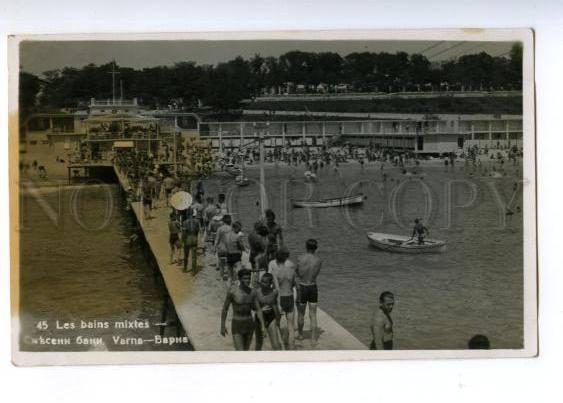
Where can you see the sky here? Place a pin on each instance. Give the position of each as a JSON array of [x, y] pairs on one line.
[[39, 56]]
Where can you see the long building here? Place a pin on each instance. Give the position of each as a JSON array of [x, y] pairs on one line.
[[107, 125], [417, 133]]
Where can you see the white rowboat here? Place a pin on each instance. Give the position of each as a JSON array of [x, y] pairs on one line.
[[336, 202], [405, 244]]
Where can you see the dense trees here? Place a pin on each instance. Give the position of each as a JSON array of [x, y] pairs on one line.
[[223, 86], [29, 88]]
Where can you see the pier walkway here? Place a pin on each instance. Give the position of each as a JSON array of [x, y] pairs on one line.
[[198, 300]]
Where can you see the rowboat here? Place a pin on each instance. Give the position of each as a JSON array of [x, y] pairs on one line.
[[233, 170], [242, 181], [310, 177], [405, 244], [336, 202]]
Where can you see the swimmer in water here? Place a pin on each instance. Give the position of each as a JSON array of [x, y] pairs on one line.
[[382, 324]]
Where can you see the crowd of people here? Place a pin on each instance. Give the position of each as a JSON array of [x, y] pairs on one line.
[[315, 159], [270, 293], [261, 291]]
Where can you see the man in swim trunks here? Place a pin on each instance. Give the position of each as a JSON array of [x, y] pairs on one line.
[[209, 212], [268, 301], [235, 247], [308, 268], [221, 243], [174, 228], [275, 235], [257, 241], [190, 232], [419, 231], [243, 298], [222, 204], [283, 271], [382, 324], [168, 184], [211, 234]]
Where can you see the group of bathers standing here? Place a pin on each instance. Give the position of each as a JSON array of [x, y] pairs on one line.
[[279, 286]]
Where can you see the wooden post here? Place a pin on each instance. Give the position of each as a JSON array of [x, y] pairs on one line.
[[241, 135], [263, 202], [507, 130], [220, 140], [490, 132], [175, 157]]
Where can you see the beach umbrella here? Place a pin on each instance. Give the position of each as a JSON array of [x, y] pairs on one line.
[[181, 200]]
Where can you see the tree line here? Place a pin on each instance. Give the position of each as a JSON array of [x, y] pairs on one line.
[[223, 86]]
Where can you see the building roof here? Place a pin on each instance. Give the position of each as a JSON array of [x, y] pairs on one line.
[[118, 117]]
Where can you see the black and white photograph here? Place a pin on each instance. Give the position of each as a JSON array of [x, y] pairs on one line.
[[296, 196]]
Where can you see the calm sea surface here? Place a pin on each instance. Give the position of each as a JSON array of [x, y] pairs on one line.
[[84, 268], [442, 300], [70, 273]]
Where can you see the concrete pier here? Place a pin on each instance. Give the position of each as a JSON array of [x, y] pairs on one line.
[[198, 300]]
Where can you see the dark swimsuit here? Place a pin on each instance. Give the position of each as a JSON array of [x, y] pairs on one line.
[[242, 322], [242, 326], [267, 313], [307, 293]]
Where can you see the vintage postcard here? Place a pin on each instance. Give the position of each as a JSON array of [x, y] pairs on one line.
[[272, 196]]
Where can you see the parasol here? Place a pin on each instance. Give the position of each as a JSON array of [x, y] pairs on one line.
[[181, 200]]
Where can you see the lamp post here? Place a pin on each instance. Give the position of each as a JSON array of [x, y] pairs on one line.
[[263, 196]]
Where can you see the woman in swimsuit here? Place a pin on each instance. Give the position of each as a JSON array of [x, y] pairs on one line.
[[382, 324], [268, 301], [244, 299]]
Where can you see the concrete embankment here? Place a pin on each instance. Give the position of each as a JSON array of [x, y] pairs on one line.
[[198, 299]]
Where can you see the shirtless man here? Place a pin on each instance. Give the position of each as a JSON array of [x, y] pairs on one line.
[[235, 247], [258, 241], [382, 324], [244, 299], [419, 231], [220, 244], [308, 268], [190, 231], [268, 301], [283, 271], [275, 234]]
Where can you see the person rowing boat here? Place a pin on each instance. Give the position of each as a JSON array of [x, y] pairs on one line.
[[420, 231]]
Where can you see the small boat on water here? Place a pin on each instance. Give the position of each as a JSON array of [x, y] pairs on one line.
[[336, 202], [310, 177], [405, 244], [242, 181], [233, 170]]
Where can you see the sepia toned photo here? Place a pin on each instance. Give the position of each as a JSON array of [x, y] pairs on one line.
[[296, 196]]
